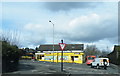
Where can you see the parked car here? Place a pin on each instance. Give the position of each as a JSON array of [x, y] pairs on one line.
[[90, 59], [100, 62]]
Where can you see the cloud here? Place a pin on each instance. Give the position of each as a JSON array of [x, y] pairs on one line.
[[90, 28], [65, 6], [105, 44], [36, 34], [84, 22], [34, 39], [33, 27]]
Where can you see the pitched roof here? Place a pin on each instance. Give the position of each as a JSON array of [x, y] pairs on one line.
[[49, 47]]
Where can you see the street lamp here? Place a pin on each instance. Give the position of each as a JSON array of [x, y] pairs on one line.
[[53, 39]]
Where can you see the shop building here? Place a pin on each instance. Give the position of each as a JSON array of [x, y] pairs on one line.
[[73, 53]]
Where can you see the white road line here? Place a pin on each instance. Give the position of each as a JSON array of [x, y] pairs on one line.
[[52, 71], [34, 70]]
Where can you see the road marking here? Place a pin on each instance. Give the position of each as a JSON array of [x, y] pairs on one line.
[[34, 70], [48, 65], [52, 71], [47, 73]]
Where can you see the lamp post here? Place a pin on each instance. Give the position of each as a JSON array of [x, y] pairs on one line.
[[53, 39]]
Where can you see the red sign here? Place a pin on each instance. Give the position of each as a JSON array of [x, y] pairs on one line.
[[62, 46]]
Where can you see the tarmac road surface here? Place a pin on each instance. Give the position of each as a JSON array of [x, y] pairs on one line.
[[38, 67]]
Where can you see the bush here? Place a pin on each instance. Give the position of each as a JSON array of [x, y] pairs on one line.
[[10, 57]]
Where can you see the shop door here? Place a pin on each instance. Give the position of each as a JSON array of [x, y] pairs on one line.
[[74, 58]]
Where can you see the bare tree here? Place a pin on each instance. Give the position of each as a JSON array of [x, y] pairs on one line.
[[92, 50], [13, 37]]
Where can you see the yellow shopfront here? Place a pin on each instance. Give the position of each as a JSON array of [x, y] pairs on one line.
[[70, 57]]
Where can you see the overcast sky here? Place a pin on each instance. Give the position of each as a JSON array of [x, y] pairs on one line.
[[74, 22]]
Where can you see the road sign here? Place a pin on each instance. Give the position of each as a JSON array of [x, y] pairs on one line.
[[62, 46]]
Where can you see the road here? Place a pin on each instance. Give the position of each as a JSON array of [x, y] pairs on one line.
[[37, 67]]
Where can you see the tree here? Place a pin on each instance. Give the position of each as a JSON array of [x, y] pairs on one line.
[[36, 48], [92, 50], [10, 52], [10, 36], [27, 49], [103, 52]]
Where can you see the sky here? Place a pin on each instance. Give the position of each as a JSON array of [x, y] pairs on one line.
[[88, 23]]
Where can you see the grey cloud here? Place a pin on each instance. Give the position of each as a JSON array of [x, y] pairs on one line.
[[38, 42], [96, 33], [65, 6], [113, 40]]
